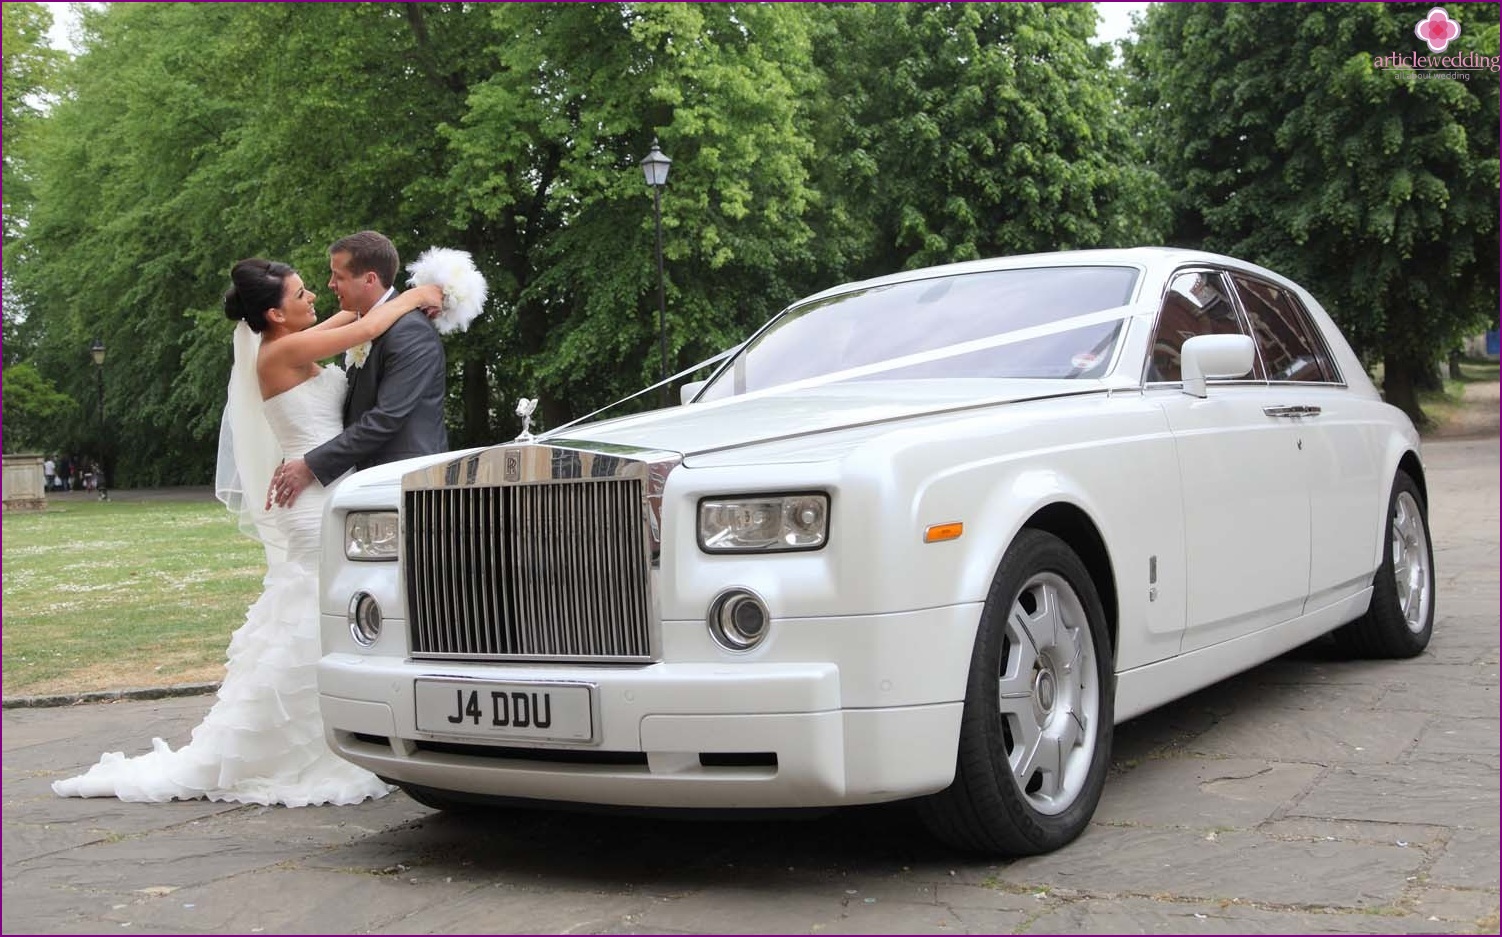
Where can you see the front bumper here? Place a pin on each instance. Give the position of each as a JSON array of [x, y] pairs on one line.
[[780, 733]]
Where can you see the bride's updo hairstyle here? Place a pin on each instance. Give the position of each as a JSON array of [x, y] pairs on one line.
[[257, 287]]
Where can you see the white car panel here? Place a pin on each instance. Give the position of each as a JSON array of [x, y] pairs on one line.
[[1214, 533]]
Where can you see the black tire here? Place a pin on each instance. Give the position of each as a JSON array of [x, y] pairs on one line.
[[1400, 621], [436, 799], [988, 809]]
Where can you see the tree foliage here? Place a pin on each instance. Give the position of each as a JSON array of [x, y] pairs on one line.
[[1376, 188], [810, 144], [962, 131], [30, 68], [30, 76], [36, 415]]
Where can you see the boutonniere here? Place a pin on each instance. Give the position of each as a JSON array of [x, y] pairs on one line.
[[355, 357]]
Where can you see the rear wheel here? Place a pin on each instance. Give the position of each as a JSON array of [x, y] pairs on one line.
[[1035, 738], [1400, 620]]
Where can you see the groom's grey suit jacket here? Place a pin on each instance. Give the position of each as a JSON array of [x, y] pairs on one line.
[[394, 407]]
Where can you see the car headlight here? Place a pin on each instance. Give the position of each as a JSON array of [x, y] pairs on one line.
[[763, 523], [370, 535]]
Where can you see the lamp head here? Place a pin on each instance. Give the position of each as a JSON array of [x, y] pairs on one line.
[[655, 166]]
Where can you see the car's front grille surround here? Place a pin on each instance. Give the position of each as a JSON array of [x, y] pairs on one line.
[[557, 570]]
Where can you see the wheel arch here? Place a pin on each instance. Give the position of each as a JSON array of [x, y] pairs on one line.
[[1410, 464], [1072, 525]]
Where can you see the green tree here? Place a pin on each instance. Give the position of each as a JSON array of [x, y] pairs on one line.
[[544, 181], [1286, 144], [37, 416], [196, 134], [30, 79], [30, 73], [960, 131]]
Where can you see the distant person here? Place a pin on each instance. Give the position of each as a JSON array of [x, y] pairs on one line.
[[49, 474], [65, 474], [262, 742]]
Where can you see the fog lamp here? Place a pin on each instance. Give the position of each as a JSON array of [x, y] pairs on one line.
[[364, 619], [738, 619]]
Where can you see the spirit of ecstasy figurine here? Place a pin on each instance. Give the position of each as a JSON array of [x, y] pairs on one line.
[[524, 408]]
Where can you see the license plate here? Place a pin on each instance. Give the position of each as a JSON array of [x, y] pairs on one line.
[[552, 712]]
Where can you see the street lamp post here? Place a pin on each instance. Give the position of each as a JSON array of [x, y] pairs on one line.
[[96, 351], [655, 166]]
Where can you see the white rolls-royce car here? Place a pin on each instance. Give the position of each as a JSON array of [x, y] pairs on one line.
[[928, 536]]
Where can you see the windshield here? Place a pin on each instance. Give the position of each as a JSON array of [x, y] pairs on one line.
[[1026, 323]]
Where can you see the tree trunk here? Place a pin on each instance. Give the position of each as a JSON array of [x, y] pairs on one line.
[[1455, 374], [1426, 376], [476, 404], [1398, 388]]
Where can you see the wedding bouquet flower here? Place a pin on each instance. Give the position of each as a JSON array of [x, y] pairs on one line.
[[464, 287]]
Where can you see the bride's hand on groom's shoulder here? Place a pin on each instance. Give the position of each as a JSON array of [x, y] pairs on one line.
[[428, 298]]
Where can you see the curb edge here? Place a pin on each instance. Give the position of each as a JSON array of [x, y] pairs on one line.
[[107, 696]]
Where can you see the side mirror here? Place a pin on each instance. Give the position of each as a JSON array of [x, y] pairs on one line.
[[690, 390], [1214, 356]]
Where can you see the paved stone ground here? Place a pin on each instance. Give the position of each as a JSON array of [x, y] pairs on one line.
[[1310, 795]]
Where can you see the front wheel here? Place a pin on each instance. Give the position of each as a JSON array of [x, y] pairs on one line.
[[1400, 620], [1035, 737]]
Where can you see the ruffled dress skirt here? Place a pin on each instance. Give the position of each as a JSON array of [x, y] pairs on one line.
[[262, 742]]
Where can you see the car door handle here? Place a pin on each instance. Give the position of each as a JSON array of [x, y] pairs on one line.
[[1291, 412]]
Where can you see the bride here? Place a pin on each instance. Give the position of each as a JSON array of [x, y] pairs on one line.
[[262, 742]]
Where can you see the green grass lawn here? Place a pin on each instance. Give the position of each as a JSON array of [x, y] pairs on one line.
[[106, 595]]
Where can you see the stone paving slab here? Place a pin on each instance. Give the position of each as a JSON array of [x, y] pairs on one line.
[[1309, 795], [1140, 916], [1208, 794], [1249, 867], [1438, 794]]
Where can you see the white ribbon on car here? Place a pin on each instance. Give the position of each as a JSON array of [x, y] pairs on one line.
[[1114, 314], [646, 390]]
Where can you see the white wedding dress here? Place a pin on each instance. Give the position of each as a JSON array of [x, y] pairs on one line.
[[262, 742]]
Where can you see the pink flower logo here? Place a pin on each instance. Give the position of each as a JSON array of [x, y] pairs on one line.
[[1437, 29]]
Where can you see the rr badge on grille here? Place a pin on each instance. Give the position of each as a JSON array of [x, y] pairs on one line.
[[513, 468]]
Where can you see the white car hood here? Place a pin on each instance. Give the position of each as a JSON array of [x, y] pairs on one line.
[[760, 418], [749, 420]]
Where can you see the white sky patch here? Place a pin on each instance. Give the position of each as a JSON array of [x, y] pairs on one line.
[[1116, 20], [63, 19]]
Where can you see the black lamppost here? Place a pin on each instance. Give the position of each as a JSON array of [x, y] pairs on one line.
[[96, 351], [655, 167]]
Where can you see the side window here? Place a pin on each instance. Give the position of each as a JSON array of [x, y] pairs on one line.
[[1286, 337], [1196, 303]]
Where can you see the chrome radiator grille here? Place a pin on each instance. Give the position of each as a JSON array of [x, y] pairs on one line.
[[535, 571]]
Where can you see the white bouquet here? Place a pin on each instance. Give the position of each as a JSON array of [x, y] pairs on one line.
[[464, 287]]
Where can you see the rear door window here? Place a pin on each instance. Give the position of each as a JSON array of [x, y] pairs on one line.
[[1287, 338]]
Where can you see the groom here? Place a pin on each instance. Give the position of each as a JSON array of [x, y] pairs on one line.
[[394, 407]]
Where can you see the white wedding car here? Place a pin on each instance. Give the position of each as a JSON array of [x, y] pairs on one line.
[[927, 536]]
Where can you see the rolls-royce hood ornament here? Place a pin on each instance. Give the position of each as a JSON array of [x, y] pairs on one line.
[[524, 408]]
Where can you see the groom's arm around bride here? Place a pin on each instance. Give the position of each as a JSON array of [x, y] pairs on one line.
[[394, 406]]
